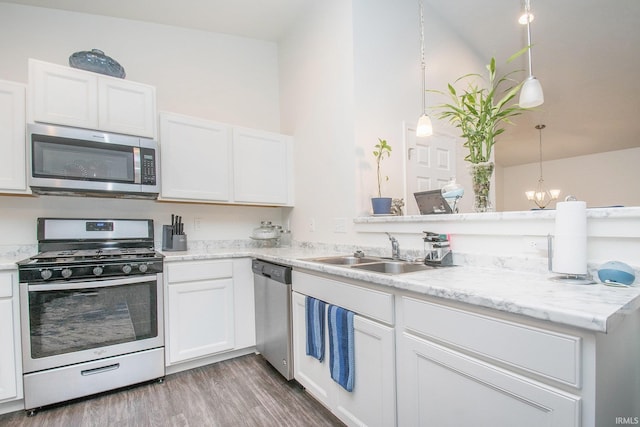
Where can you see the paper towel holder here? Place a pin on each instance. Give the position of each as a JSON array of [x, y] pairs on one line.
[[570, 279]]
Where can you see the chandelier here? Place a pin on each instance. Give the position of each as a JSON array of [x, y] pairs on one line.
[[541, 196]]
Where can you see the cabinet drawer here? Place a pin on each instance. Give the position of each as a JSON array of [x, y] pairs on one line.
[[191, 271], [5, 285], [366, 302], [546, 353]]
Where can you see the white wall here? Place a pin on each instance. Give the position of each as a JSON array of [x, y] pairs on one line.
[[350, 74], [586, 177], [223, 78], [316, 74]]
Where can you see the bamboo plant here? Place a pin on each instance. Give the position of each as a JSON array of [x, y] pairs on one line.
[[381, 149], [480, 112]]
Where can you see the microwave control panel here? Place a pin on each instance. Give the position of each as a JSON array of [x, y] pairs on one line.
[[148, 166]]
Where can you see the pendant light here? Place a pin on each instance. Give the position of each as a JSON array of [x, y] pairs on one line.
[[540, 196], [424, 127], [531, 92]]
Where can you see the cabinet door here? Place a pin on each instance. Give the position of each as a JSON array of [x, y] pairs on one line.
[[195, 157], [438, 386], [372, 402], [126, 107], [13, 173], [63, 95], [9, 340], [245, 314], [200, 318], [308, 371], [262, 167]]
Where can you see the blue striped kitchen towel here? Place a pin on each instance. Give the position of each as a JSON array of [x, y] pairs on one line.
[[314, 313], [341, 355]]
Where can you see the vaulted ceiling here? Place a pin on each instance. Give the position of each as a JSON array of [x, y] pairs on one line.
[[586, 55]]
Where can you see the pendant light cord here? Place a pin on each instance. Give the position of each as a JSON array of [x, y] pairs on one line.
[[527, 9], [422, 63], [540, 127]]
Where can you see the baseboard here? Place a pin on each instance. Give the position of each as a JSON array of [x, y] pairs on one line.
[[196, 363]]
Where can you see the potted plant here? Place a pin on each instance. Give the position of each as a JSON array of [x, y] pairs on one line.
[[480, 113], [381, 205]]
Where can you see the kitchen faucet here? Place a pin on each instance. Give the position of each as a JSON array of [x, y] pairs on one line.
[[395, 247]]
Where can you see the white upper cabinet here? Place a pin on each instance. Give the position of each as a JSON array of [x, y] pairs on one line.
[[126, 107], [12, 138], [213, 162], [68, 96], [262, 167], [195, 159]]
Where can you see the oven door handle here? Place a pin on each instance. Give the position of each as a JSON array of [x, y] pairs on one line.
[[90, 285]]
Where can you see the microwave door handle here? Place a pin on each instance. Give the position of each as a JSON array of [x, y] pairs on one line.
[[137, 166], [90, 285]]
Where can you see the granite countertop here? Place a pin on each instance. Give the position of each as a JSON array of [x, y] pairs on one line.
[[595, 307]]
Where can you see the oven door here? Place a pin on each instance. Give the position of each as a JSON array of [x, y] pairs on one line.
[[71, 322]]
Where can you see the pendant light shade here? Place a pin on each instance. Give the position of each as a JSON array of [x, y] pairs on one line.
[[424, 128], [531, 92]]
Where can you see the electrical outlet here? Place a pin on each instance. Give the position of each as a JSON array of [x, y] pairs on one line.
[[197, 223], [312, 224], [534, 244]]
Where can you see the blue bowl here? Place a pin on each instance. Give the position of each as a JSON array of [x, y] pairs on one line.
[[616, 272]]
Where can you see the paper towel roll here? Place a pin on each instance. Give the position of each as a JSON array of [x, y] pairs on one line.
[[570, 241]]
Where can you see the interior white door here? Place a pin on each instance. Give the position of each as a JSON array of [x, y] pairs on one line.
[[430, 163]]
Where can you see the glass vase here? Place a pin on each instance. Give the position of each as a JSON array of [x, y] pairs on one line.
[[481, 178]]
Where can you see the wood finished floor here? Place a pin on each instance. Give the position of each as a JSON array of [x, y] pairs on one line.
[[245, 391]]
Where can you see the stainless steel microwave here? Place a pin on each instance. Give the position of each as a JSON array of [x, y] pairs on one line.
[[71, 161]]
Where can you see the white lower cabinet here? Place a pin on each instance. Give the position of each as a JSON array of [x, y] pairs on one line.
[[206, 308], [441, 387], [10, 366], [454, 368], [372, 401]]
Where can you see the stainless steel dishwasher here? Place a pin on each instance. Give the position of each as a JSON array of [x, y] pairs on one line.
[[272, 286]]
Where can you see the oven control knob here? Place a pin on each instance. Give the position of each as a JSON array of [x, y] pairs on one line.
[[46, 274], [143, 268], [126, 269], [66, 273], [97, 271]]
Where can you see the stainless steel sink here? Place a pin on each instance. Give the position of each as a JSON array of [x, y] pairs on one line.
[[345, 260], [373, 264], [393, 267]]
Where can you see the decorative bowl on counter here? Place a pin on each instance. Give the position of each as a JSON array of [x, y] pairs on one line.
[[616, 273], [266, 231], [96, 61]]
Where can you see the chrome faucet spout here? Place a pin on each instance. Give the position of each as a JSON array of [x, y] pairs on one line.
[[395, 247]]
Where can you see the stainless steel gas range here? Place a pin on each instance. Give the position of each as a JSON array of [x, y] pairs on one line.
[[91, 307]]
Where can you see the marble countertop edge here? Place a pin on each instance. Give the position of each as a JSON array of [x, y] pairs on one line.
[[595, 307]]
